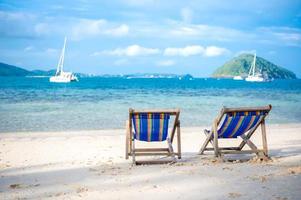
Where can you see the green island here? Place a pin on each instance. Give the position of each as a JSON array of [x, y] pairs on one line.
[[240, 66]]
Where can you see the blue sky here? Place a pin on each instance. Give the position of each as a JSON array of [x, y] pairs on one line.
[[131, 36]]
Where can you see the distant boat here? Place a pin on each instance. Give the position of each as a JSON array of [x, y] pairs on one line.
[[254, 77], [61, 76], [237, 78]]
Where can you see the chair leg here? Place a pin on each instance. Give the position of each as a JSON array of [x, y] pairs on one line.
[[215, 142], [264, 138], [246, 140], [179, 141], [208, 139], [251, 145], [170, 148], [133, 152], [127, 140], [216, 150]]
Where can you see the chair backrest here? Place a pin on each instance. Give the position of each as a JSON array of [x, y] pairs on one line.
[[151, 126], [239, 121]]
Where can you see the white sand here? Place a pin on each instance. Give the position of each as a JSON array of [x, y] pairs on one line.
[[91, 165]]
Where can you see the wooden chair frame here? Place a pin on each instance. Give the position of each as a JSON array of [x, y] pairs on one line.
[[131, 150], [212, 135]]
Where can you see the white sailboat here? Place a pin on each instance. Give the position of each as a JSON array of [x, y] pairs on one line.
[[61, 76], [237, 78], [254, 77]]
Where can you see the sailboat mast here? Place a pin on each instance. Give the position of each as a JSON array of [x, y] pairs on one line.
[[254, 63], [251, 69], [58, 66], [63, 54], [61, 60]]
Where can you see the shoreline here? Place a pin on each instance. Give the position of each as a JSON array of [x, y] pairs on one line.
[[91, 165], [119, 130]]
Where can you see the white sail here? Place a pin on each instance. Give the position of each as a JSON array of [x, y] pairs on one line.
[[252, 68], [60, 75], [60, 64]]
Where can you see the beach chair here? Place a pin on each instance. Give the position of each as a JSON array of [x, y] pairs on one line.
[[152, 126], [238, 122]]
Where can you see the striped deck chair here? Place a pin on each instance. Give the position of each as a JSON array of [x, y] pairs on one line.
[[152, 126], [238, 122]]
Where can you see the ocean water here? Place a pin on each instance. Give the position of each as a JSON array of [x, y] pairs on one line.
[[35, 104]]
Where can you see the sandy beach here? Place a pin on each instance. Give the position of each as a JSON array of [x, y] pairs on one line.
[[91, 165]]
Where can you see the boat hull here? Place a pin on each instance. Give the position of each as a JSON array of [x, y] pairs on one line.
[[238, 78], [61, 79], [255, 79]]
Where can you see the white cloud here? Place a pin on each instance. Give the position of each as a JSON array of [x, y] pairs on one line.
[[120, 62], [193, 50], [212, 51], [166, 63], [89, 28], [28, 48], [186, 14], [179, 30], [204, 31], [245, 52], [42, 29], [57, 7], [118, 31], [51, 51], [21, 24], [292, 39], [16, 24], [186, 51], [16, 16], [272, 52], [281, 35], [133, 50], [138, 2]]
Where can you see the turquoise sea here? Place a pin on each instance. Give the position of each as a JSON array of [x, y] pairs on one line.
[[35, 104]]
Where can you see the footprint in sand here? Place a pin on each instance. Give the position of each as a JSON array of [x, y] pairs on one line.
[[15, 186], [227, 168], [294, 170], [59, 194], [19, 186], [81, 189], [234, 195]]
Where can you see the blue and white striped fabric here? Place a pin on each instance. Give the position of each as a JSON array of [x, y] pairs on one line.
[[237, 123], [151, 127]]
